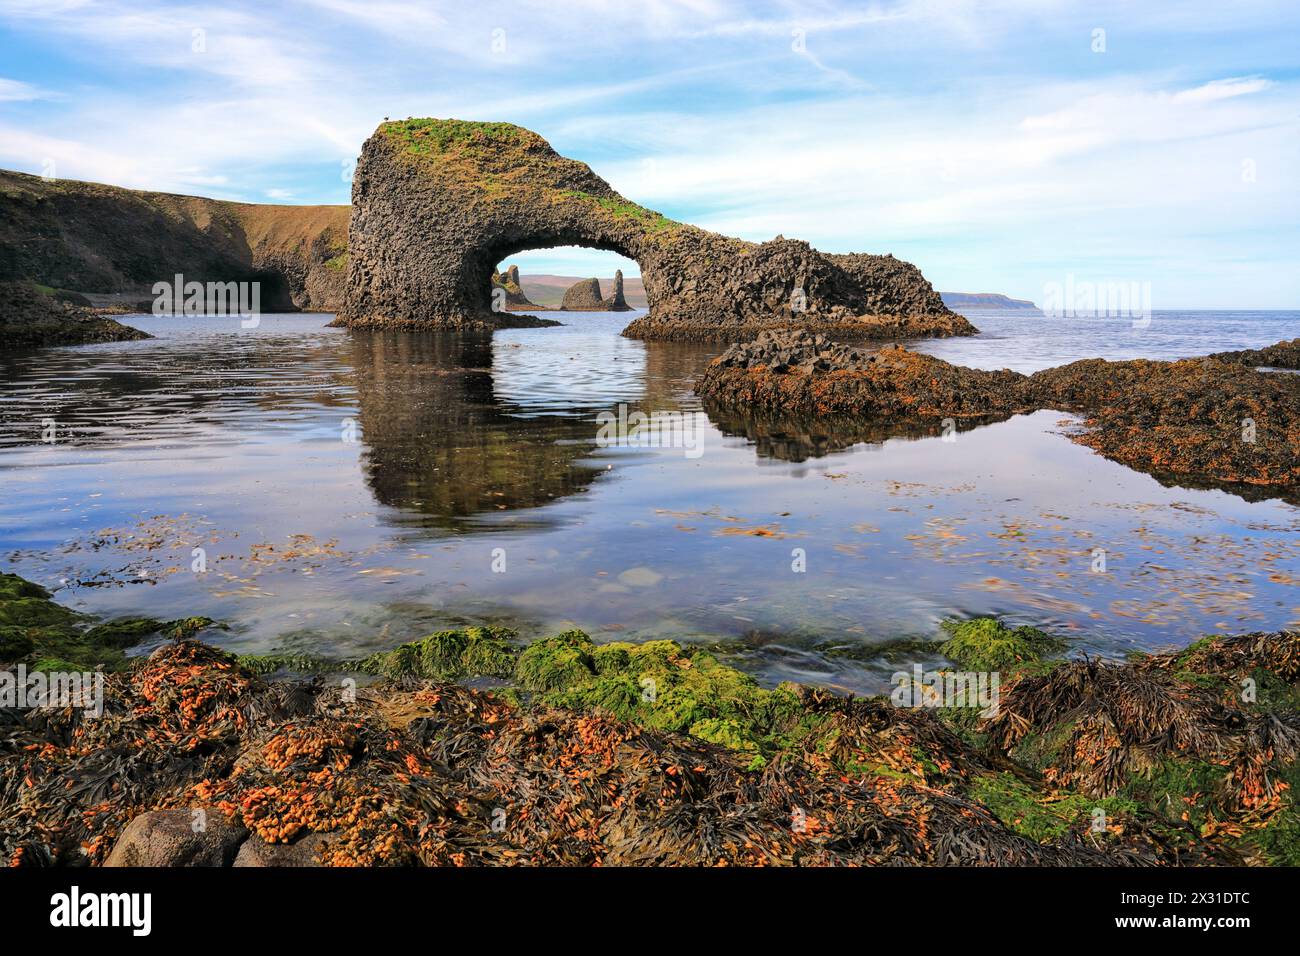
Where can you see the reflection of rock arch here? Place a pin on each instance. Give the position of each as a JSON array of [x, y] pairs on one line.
[[436, 442], [437, 204]]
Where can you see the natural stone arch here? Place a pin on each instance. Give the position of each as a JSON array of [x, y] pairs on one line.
[[438, 204]]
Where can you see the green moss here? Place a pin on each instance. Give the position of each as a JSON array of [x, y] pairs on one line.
[[624, 209], [985, 644], [337, 263], [1039, 816], [429, 135]]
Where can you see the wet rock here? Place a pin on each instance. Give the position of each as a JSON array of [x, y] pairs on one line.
[[1195, 420], [181, 837]]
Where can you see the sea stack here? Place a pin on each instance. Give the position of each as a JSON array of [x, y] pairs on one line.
[[583, 296], [616, 302]]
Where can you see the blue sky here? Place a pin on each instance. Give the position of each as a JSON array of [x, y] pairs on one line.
[[1001, 146]]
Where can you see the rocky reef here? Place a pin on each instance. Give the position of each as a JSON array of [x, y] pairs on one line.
[[90, 237], [32, 318], [645, 754], [585, 296], [437, 203], [1196, 420]]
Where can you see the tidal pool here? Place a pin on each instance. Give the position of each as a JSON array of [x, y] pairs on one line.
[[321, 489]]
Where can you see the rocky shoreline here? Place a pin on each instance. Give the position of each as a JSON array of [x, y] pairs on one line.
[[31, 318], [1213, 419], [569, 752]]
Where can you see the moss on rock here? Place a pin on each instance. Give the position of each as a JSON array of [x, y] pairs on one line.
[[986, 644]]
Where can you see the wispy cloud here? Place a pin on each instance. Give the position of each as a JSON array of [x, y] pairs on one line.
[[985, 140]]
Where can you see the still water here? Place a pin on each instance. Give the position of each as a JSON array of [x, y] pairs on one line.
[[349, 491]]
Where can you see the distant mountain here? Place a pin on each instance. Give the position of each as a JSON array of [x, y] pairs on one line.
[[983, 300], [548, 290]]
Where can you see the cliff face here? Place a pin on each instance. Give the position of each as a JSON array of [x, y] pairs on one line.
[[94, 238], [437, 203]]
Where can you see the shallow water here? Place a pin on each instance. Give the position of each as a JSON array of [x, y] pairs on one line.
[[353, 490]]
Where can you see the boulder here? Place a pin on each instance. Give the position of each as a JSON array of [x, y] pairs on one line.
[[170, 838], [304, 851]]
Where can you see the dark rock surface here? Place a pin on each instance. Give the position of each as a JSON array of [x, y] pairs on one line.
[[437, 203], [583, 296], [1281, 355], [305, 851], [1197, 420], [31, 319], [178, 838]]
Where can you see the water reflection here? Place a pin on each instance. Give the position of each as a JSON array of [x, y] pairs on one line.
[[441, 445]]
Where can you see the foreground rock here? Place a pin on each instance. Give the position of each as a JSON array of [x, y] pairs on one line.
[[437, 203], [571, 761], [1208, 419], [31, 319], [198, 837]]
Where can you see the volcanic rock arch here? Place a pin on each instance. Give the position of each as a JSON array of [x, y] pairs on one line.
[[437, 204]]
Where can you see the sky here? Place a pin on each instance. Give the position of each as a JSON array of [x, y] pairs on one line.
[[1001, 146]]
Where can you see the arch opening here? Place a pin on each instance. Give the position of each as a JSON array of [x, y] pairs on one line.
[[539, 277]]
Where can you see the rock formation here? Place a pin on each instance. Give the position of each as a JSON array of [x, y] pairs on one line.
[[616, 302], [514, 299], [1203, 421], [31, 319], [93, 238], [437, 203], [583, 296]]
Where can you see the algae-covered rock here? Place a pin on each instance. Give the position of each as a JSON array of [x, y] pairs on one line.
[[37, 630], [662, 685], [986, 644]]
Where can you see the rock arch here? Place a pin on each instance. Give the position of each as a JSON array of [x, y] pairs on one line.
[[437, 204]]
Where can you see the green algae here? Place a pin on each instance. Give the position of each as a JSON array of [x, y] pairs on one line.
[[986, 644], [37, 631], [1042, 816], [450, 655], [661, 685]]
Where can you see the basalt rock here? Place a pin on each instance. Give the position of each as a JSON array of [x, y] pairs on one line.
[[1193, 421], [514, 298], [616, 302], [31, 319], [583, 296], [437, 203]]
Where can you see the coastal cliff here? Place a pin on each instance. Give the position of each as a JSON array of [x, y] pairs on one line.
[[97, 239]]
